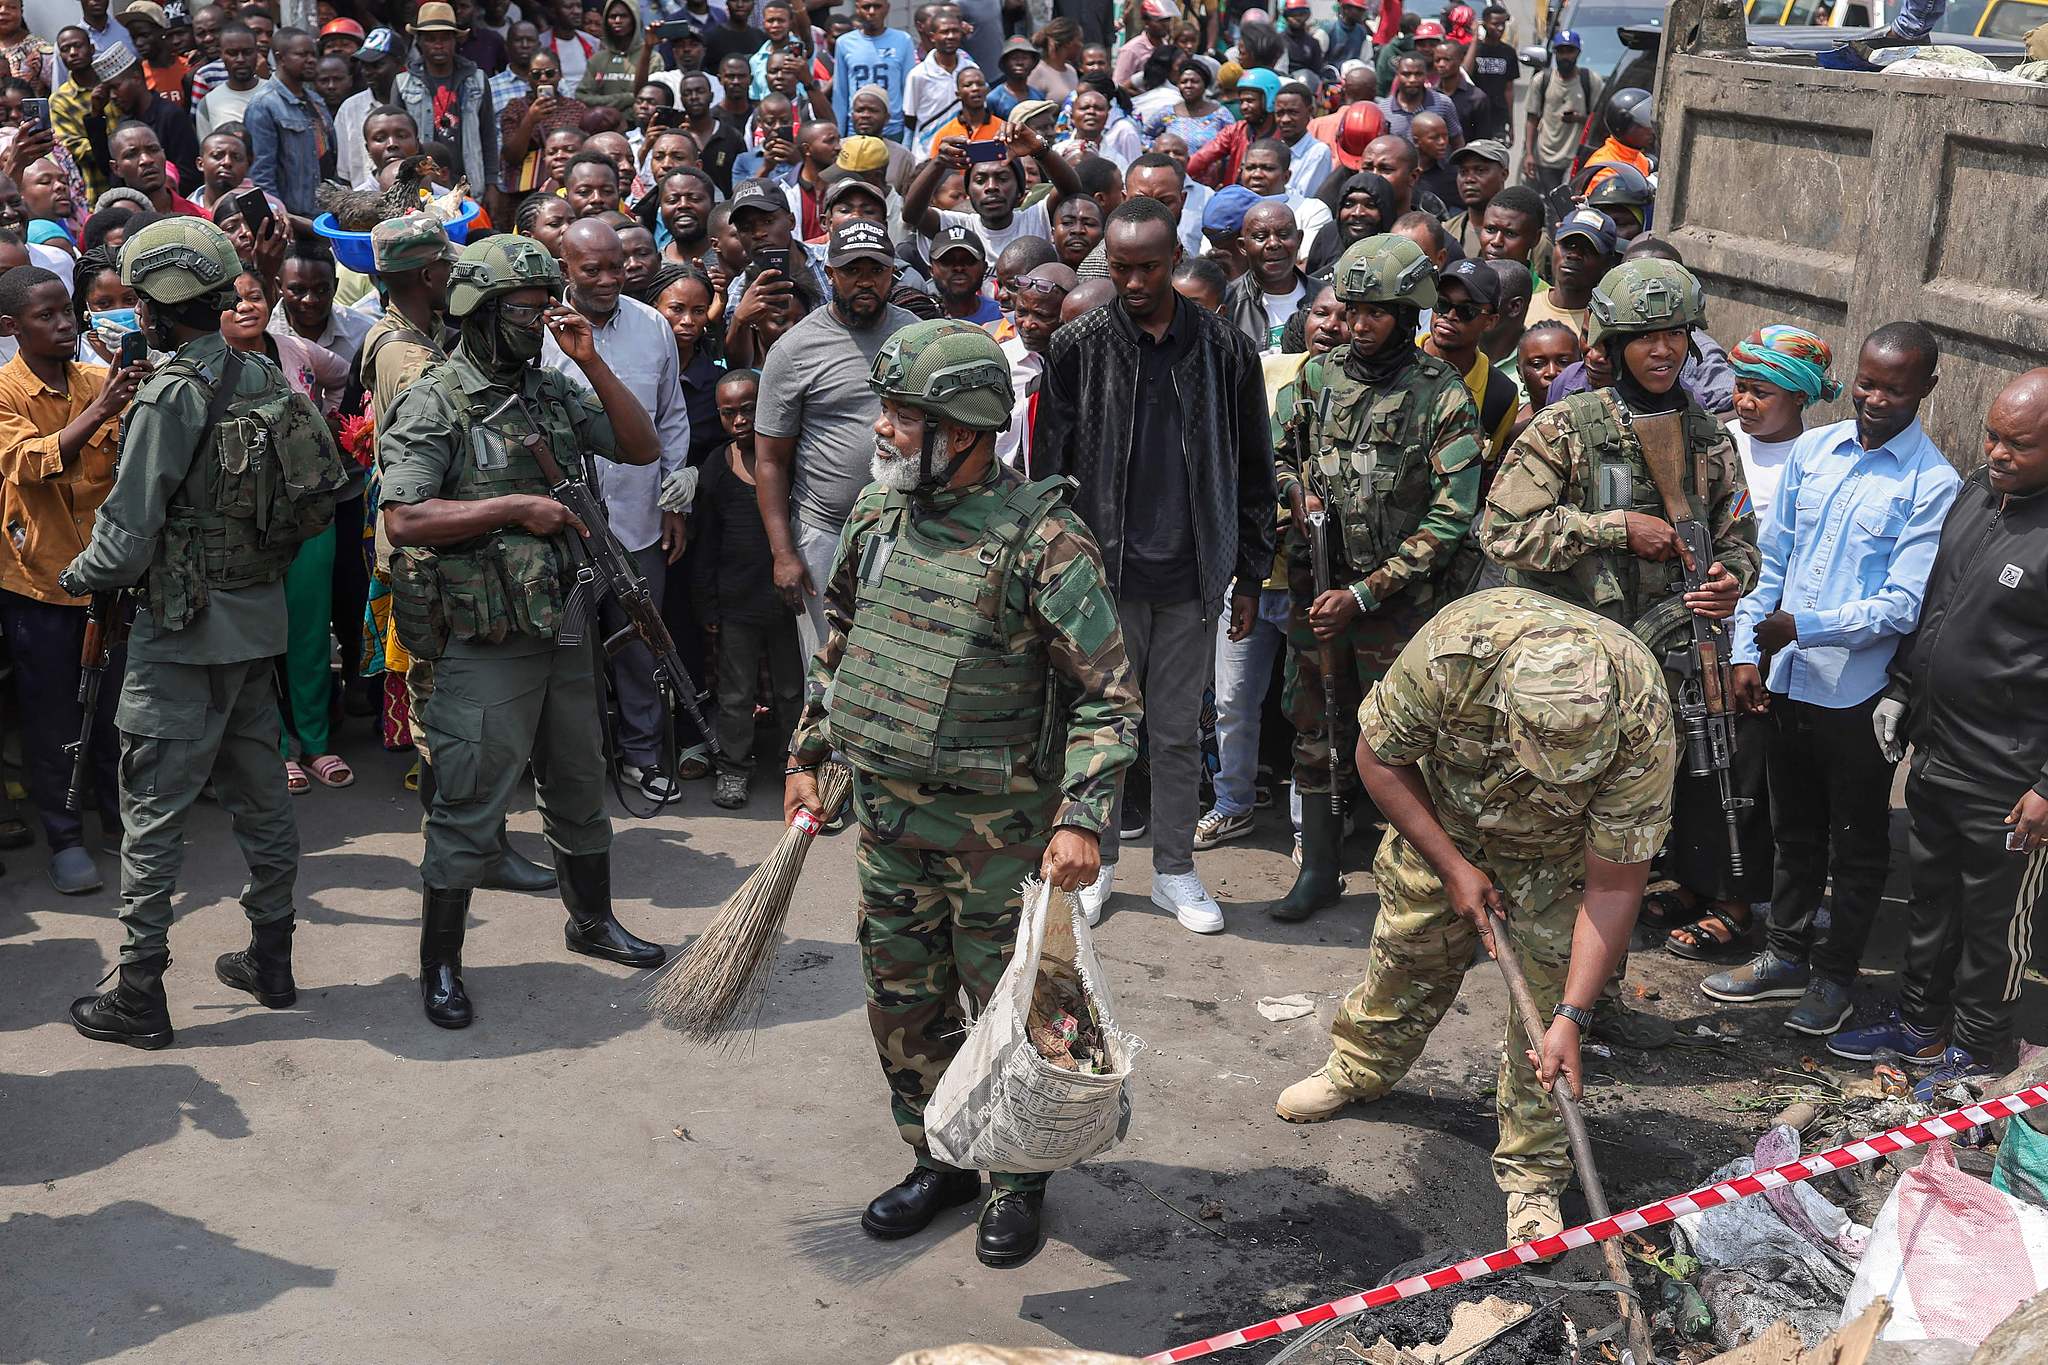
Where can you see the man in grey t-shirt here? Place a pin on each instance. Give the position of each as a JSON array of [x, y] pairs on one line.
[[814, 420]]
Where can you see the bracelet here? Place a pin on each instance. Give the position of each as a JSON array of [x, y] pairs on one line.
[[800, 768], [1359, 598], [1583, 1018]]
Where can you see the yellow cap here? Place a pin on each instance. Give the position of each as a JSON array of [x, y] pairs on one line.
[[863, 154]]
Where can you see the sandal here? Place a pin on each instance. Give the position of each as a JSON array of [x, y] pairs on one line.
[[411, 780], [694, 765], [332, 770], [1666, 908], [1716, 936], [295, 780]]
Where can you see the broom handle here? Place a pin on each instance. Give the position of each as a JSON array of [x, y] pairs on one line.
[[1575, 1133]]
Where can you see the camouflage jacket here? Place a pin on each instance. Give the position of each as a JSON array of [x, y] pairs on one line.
[[1446, 708], [1055, 595], [1557, 514], [1399, 466]]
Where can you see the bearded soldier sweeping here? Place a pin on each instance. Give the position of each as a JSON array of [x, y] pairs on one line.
[[974, 678]]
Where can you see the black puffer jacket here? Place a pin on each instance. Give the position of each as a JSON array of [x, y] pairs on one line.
[[1084, 431]]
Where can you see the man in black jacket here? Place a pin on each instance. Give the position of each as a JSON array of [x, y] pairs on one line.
[[1158, 409], [1966, 688], [1262, 300]]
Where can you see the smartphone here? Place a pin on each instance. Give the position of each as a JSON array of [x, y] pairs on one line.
[[544, 91], [667, 29], [990, 150], [772, 258], [2015, 842], [667, 118], [255, 209], [35, 113], [134, 350]]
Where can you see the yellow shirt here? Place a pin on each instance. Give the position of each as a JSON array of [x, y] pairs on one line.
[[47, 503], [1541, 309]]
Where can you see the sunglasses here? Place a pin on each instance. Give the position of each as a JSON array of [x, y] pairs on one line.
[[1467, 311]]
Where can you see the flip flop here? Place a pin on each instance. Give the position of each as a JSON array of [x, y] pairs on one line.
[[332, 770], [295, 780]]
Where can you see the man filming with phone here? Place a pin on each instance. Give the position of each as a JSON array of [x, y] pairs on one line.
[[994, 188]]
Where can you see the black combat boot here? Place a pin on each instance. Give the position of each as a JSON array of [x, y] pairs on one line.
[[264, 968], [1011, 1228], [443, 916], [592, 928], [135, 1012], [1320, 883], [513, 871], [910, 1205]]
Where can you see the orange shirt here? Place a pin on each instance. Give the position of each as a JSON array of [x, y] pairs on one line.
[[169, 81], [988, 132], [47, 503], [1613, 151]]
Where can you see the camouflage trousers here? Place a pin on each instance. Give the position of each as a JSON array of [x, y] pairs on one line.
[[1364, 652], [1420, 952], [934, 925]]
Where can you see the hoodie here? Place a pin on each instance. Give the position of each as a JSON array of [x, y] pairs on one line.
[[612, 75]]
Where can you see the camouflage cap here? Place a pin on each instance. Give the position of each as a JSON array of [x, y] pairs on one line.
[[1558, 699], [1644, 295], [948, 367], [1386, 268], [499, 265], [410, 242], [176, 260]]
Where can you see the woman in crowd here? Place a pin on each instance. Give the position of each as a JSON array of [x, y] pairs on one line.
[[1059, 49], [1195, 119], [1780, 371], [524, 124]]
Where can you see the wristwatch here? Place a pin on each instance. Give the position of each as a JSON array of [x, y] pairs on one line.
[[1583, 1018]]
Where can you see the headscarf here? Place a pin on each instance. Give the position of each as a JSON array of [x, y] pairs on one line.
[[1791, 357]]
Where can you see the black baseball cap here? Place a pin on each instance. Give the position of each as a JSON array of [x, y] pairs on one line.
[[958, 238], [757, 194], [859, 240], [1477, 277]]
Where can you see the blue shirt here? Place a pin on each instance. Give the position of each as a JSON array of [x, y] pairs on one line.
[[883, 60], [1001, 101], [1846, 549], [1433, 102]]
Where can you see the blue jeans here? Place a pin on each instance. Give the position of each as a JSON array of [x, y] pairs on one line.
[[1243, 670]]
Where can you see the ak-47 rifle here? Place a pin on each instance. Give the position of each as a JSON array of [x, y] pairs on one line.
[[1706, 690], [106, 626], [1317, 524], [604, 568]]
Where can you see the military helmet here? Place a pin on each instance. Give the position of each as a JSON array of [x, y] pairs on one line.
[[499, 265], [948, 367], [1645, 295], [1386, 268], [1618, 185], [176, 260]]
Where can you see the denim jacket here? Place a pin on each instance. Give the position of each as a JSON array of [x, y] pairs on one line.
[[287, 135], [477, 144]]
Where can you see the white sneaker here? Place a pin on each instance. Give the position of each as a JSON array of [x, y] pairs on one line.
[[1191, 903], [1095, 893]]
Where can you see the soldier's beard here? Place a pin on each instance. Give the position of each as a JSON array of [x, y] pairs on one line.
[[895, 472]]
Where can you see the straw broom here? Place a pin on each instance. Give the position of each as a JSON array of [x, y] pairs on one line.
[[717, 983]]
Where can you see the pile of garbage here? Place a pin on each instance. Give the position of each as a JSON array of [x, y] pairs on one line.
[[1063, 1026]]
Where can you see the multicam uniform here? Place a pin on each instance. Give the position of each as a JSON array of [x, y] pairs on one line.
[[974, 678], [1541, 732]]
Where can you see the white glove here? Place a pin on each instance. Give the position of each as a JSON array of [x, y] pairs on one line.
[[679, 490], [1884, 723]]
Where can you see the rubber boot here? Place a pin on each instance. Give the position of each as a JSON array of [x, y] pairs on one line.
[[515, 872], [264, 968], [1320, 883], [443, 917], [592, 928], [136, 1012]]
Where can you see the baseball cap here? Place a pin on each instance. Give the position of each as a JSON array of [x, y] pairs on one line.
[[850, 184], [1486, 148], [957, 239], [1166, 9], [378, 44], [859, 153], [1595, 226], [341, 28], [1293, 6], [757, 194], [1227, 207], [1428, 29], [410, 242], [147, 12], [1477, 277], [114, 61], [1558, 701], [1566, 37], [861, 240]]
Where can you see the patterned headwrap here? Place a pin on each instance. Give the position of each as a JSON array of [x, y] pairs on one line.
[[1791, 357]]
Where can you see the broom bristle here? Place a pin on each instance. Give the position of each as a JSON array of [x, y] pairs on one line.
[[718, 983]]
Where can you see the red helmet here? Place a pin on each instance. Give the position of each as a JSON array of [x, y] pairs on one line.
[[1459, 23], [1356, 128], [1428, 29]]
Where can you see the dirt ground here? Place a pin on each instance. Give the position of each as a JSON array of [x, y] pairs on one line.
[[568, 1180]]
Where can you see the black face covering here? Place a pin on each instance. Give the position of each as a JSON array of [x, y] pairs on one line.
[[1634, 395], [1394, 357], [498, 348]]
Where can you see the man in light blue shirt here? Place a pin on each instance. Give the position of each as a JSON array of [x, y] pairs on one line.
[[873, 54], [1846, 553]]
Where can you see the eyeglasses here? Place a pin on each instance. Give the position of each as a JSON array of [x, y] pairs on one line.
[[1463, 312], [522, 314], [1032, 285]]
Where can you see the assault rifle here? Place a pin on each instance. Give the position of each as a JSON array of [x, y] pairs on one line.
[[106, 627], [1706, 692], [605, 569], [1317, 523]]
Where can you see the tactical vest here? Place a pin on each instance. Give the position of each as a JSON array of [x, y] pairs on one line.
[[1369, 448], [1619, 584], [510, 582], [262, 481], [929, 688]]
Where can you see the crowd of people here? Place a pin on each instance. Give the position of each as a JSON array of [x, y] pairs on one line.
[[1320, 348]]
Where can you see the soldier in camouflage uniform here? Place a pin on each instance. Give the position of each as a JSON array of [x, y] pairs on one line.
[[1385, 438], [479, 587], [224, 471], [1523, 752], [974, 678], [1575, 512]]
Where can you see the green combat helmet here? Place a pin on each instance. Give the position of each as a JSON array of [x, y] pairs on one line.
[[177, 260], [950, 369], [1645, 296], [1386, 268], [499, 265]]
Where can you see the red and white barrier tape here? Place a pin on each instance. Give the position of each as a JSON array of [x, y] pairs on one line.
[[1949, 1124]]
